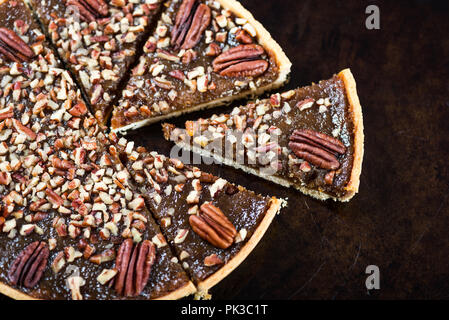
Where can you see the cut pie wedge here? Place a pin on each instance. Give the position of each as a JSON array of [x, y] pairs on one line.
[[71, 227], [98, 41], [212, 224], [310, 138], [202, 54]]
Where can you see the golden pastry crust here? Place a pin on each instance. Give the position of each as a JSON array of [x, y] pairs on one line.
[[275, 206]]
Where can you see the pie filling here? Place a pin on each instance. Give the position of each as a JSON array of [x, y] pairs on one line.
[[200, 53], [98, 41], [302, 137], [178, 194]]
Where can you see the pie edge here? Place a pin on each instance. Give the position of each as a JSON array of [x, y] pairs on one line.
[[352, 186], [264, 39], [187, 289], [234, 262]]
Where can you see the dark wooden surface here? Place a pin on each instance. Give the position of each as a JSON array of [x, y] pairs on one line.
[[399, 221]]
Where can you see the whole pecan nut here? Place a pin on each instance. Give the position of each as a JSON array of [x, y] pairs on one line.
[[133, 266], [213, 226], [90, 10], [191, 21], [317, 148], [241, 61], [28, 267], [13, 47]]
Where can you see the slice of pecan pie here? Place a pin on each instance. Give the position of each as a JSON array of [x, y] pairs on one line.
[[203, 53], [212, 224], [98, 41], [70, 224], [310, 138]]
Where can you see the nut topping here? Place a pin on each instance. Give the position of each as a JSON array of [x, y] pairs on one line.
[[241, 61], [29, 266], [13, 47], [317, 148], [90, 10], [191, 21], [133, 266], [213, 226], [212, 260]]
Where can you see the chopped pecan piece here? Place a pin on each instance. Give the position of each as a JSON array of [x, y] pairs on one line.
[[133, 266], [317, 148], [78, 110], [305, 104], [29, 266], [213, 226], [13, 47], [53, 197], [241, 61], [191, 21]]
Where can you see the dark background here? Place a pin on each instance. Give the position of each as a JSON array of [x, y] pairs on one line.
[[399, 220]]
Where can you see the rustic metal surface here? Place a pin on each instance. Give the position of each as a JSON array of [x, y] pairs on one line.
[[399, 221]]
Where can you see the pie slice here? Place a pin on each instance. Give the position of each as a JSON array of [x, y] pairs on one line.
[[212, 224], [310, 138], [98, 41], [70, 224], [202, 54]]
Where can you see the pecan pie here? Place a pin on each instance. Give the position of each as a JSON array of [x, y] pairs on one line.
[[98, 41], [66, 206], [212, 224], [73, 224], [310, 138], [203, 53]]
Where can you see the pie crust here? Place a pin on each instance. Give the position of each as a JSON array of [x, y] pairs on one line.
[[275, 204], [351, 188]]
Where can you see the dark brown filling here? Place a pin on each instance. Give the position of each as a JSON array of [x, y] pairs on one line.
[[144, 88]]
